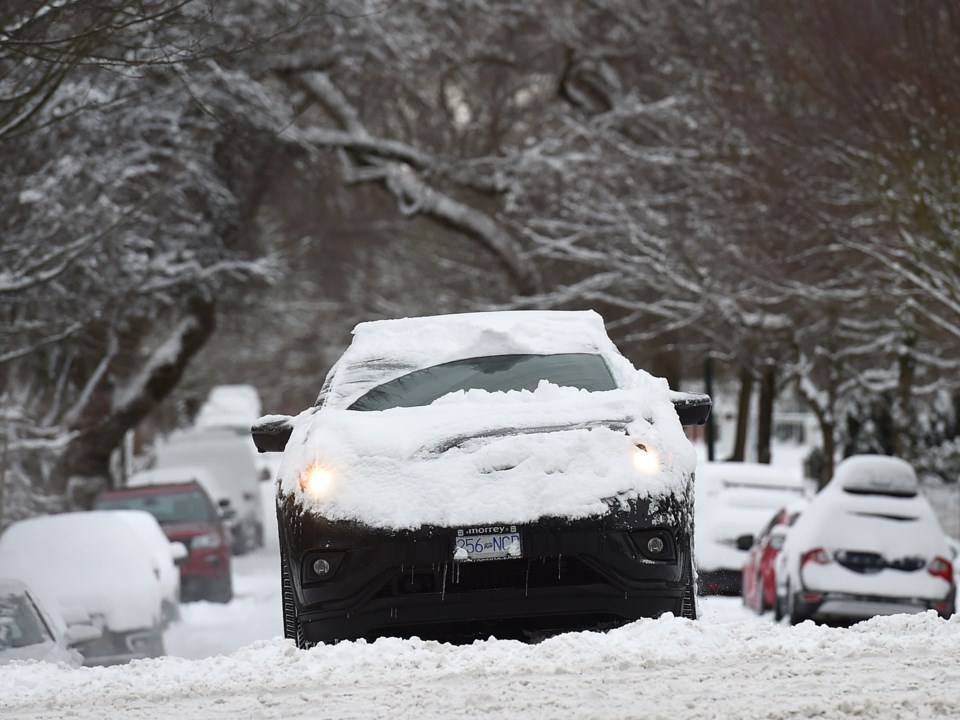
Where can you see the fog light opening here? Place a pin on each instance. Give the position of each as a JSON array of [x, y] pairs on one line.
[[321, 567], [655, 545]]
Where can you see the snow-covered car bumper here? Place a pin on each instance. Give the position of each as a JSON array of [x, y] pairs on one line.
[[842, 606], [568, 575], [115, 648]]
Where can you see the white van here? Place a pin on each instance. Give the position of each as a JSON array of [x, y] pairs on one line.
[[231, 478]]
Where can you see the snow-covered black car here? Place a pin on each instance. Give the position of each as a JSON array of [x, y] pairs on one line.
[[484, 473]]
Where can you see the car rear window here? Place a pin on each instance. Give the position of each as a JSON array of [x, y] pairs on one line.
[[496, 373], [176, 507]]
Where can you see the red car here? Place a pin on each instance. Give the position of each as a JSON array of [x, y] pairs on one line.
[[186, 514], [758, 580]]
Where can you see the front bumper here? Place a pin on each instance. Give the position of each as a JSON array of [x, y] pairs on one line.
[[572, 574], [116, 648]]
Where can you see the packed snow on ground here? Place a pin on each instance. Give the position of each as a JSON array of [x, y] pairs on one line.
[[899, 666]]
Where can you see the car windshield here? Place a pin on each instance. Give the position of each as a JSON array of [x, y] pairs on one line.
[[20, 623], [175, 507], [495, 373]]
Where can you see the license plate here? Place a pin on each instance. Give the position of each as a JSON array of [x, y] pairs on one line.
[[496, 543]]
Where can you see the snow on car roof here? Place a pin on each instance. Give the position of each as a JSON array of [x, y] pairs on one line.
[[879, 474], [104, 568], [382, 350]]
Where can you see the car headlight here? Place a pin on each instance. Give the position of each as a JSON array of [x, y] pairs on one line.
[[208, 540], [316, 480], [645, 459]]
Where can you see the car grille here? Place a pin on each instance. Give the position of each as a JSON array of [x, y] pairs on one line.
[[463, 577]]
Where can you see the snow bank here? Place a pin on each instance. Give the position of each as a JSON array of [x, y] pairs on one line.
[[479, 457], [900, 666]]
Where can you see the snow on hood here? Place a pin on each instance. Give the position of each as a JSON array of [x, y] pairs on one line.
[[479, 457]]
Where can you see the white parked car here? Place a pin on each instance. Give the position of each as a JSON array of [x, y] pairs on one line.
[[231, 478], [734, 501], [34, 629], [96, 561], [868, 544]]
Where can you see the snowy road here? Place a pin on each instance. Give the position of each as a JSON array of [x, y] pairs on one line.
[[893, 667], [730, 664]]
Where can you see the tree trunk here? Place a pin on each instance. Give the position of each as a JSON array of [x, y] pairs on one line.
[[743, 415], [84, 467], [829, 450], [768, 390], [902, 413]]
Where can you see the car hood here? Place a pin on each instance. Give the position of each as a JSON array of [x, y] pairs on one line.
[[488, 457]]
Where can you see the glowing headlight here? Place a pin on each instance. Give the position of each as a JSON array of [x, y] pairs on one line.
[[316, 480], [645, 460]]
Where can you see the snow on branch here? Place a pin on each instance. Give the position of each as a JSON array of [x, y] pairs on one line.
[[399, 162]]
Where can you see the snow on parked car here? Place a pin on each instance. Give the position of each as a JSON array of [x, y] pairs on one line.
[[868, 544], [231, 478], [485, 470], [32, 628], [187, 515], [165, 554], [96, 561], [734, 501], [235, 408]]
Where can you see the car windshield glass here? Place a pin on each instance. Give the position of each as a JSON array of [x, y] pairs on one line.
[[177, 507], [20, 623], [494, 374]]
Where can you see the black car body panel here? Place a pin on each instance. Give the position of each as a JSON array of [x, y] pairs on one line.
[[593, 572]]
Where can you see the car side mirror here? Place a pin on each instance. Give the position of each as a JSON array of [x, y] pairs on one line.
[[179, 552], [745, 542], [76, 634], [692, 408], [271, 432]]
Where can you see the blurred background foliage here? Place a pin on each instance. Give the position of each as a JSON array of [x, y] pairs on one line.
[[205, 191]]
